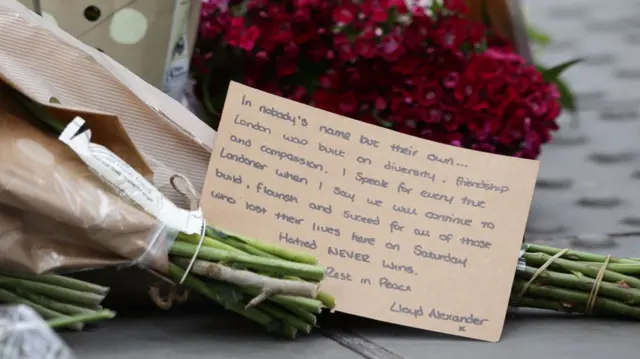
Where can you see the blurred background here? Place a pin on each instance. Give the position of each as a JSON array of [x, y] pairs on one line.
[[588, 181]]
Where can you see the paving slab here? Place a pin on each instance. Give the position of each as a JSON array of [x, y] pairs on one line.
[[193, 333], [528, 335], [589, 185]]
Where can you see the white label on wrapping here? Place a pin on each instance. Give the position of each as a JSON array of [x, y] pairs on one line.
[[127, 182], [176, 78]]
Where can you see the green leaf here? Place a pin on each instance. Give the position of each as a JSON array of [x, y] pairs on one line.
[[553, 73], [542, 69], [538, 37], [567, 98], [436, 7]]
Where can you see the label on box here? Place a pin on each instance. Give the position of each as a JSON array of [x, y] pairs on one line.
[[127, 182], [176, 72], [429, 234]]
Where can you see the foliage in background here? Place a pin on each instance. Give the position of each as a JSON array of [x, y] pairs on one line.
[[541, 40], [538, 37], [427, 72]]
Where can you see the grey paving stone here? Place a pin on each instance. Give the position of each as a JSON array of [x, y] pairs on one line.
[[194, 334], [529, 335]]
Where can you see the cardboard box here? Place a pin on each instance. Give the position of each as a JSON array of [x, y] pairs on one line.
[[152, 38]]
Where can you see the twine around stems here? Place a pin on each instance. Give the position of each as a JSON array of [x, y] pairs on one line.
[[591, 302], [542, 268], [183, 186], [593, 295]]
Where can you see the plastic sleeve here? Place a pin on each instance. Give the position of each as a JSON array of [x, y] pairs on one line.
[[24, 334]]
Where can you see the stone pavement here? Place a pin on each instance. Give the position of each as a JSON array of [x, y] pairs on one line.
[[588, 186]]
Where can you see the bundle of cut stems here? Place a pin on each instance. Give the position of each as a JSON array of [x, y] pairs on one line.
[[577, 282], [272, 286], [64, 302]]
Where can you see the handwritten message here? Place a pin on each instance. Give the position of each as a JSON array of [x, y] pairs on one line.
[[410, 231]]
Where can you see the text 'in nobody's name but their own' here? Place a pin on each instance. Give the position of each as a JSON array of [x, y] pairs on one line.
[[428, 233]]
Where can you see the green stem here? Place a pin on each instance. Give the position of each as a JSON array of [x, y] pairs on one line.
[[306, 316], [308, 304], [191, 282], [64, 308], [327, 299], [61, 281], [312, 272], [232, 245], [572, 297], [280, 252], [629, 296], [588, 269], [287, 318], [292, 303], [66, 322], [207, 241], [576, 255], [547, 304], [622, 268], [289, 332], [9, 297], [63, 294], [243, 247]]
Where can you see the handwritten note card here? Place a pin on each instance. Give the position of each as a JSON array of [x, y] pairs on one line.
[[410, 231]]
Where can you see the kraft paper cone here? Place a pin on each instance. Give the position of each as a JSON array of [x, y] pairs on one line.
[[43, 61], [55, 214]]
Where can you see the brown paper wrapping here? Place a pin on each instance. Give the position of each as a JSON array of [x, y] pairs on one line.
[[57, 215], [43, 61]]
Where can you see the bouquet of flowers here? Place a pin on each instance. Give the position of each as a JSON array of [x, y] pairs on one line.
[[277, 288], [427, 71], [77, 194]]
